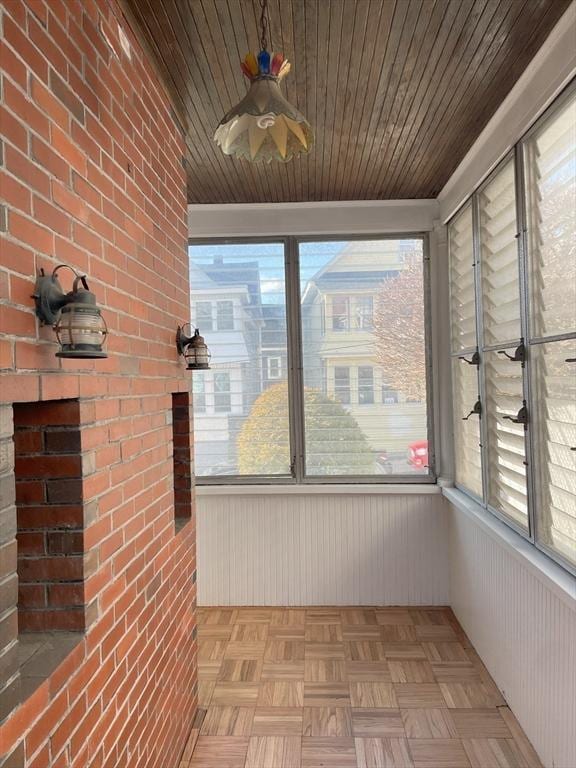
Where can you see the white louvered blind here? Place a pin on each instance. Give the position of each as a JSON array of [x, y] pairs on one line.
[[462, 291], [466, 433], [506, 452], [550, 156], [499, 258], [555, 423]]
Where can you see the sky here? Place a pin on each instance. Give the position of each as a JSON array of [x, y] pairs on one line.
[[270, 256]]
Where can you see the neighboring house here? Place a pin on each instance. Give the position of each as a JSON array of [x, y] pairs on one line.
[[226, 307], [338, 307]]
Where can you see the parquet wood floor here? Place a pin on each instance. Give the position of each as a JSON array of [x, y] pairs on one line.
[[347, 688]]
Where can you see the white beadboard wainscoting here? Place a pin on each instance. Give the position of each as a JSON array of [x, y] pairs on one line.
[[522, 622], [337, 548]]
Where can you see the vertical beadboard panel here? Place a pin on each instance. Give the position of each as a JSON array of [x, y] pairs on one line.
[[523, 632], [322, 550]]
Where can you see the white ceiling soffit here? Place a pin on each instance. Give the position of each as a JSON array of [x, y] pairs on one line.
[[356, 217]]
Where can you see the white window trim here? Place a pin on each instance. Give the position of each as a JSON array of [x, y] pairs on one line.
[[332, 489]]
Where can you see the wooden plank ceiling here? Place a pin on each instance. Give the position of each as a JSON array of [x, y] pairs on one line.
[[396, 90]]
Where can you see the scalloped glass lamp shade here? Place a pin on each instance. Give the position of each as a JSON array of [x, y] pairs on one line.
[[264, 126]]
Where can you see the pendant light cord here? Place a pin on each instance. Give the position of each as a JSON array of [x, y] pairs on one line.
[[264, 25]]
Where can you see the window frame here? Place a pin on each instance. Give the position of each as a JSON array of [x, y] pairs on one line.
[[295, 377], [517, 154]]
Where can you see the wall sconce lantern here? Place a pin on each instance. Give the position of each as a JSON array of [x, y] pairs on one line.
[[75, 317], [194, 349]]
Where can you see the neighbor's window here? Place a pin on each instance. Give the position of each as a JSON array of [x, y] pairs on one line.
[[364, 306], [225, 315], [203, 314], [199, 393], [360, 304], [342, 384], [514, 387], [340, 313], [222, 394], [365, 385], [274, 367]]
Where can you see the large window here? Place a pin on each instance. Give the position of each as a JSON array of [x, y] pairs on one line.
[[296, 391], [513, 318]]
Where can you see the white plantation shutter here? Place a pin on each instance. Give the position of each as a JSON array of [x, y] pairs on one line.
[[466, 433], [499, 258], [550, 158], [555, 423], [462, 291], [506, 452], [468, 461], [503, 249]]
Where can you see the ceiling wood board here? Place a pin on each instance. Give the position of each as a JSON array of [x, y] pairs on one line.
[[397, 91]]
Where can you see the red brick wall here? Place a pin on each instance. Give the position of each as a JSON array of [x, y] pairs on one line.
[[91, 174]]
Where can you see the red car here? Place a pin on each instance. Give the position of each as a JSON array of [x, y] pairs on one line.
[[418, 454]]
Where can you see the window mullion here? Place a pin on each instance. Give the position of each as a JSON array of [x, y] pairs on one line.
[[525, 329], [480, 342], [295, 370]]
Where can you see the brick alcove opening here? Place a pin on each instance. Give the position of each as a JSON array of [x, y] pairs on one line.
[[51, 563]]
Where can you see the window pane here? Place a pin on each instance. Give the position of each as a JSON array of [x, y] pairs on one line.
[[199, 391], [340, 315], [499, 254], [222, 397], [551, 193], [342, 384], [242, 428], [225, 315], [374, 296], [462, 291], [506, 451], [274, 367], [467, 456], [364, 313], [203, 315], [365, 386], [555, 439]]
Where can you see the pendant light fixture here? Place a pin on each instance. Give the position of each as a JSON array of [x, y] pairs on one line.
[[264, 126]]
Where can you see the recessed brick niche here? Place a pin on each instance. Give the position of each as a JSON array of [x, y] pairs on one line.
[[50, 515], [183, 439]]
